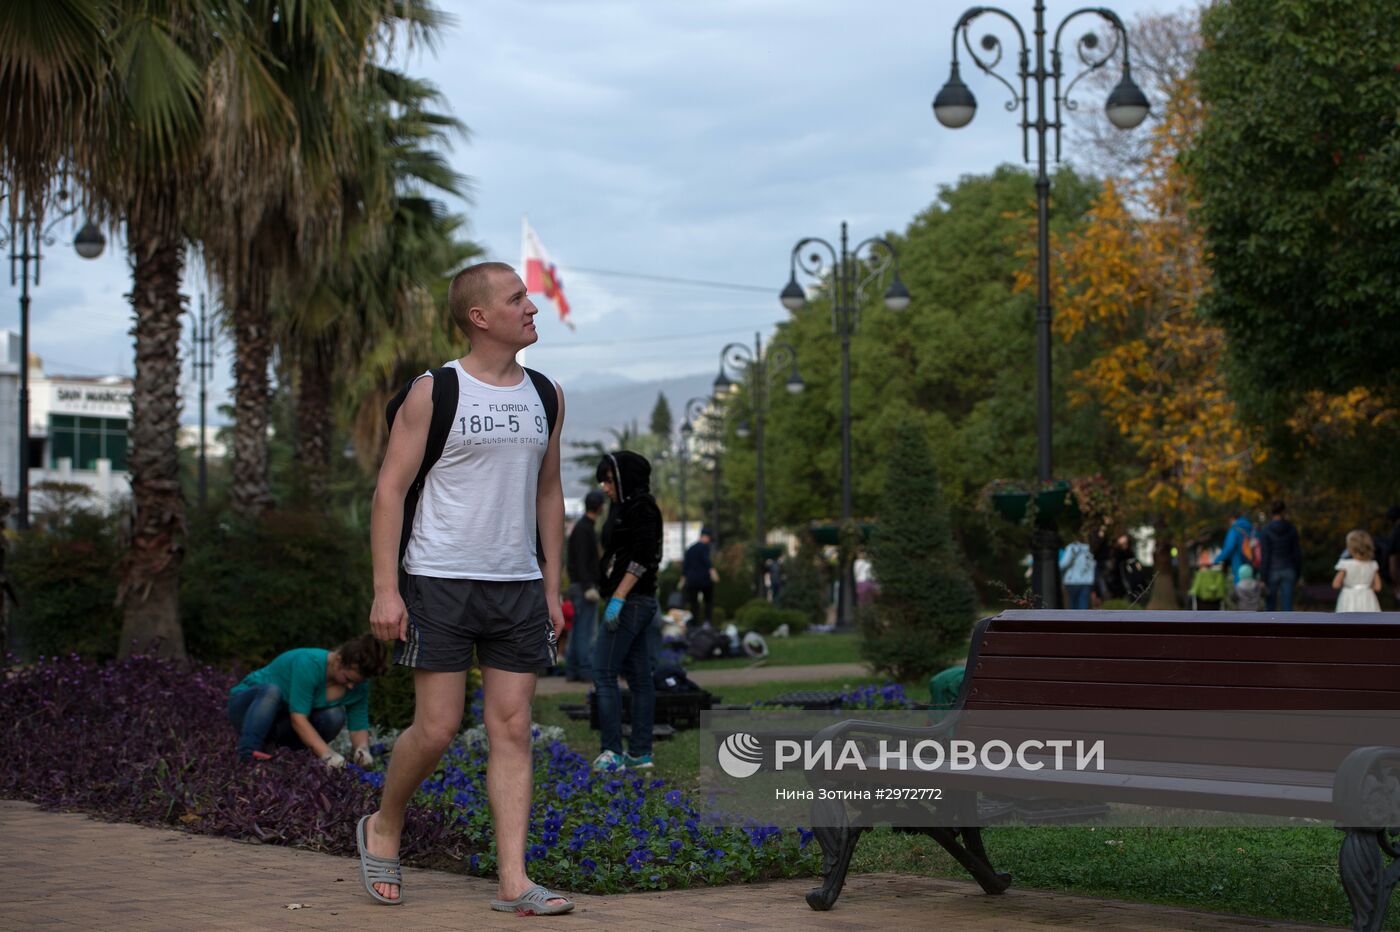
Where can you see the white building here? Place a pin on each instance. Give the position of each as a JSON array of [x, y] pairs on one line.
[[77, 429]]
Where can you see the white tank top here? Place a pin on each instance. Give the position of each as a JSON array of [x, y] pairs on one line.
[[476, 516]]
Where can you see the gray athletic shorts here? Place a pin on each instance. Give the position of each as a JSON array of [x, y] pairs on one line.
[[507, 622]]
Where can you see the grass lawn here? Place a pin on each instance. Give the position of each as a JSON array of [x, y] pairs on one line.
[[1280, 873]]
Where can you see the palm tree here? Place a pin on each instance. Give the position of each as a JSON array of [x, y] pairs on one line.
[[287, 225], [126, 91], [380, 283]]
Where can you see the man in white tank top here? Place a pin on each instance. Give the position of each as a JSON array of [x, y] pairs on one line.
[[475, 581]]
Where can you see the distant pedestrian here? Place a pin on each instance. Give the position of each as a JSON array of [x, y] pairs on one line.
[[698, 575], [1077, 570], [1358, 576], [624, 642], [1249, 592], [1392, 550], [1282, 559], [583, 589], [1238, 542]]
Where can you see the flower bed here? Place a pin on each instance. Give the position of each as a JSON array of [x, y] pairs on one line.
[[146, 741]]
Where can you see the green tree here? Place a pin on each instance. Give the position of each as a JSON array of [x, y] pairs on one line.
[[661, 422], [1295, 167], [926, 602]]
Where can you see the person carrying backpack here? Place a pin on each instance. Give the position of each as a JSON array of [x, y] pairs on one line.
[[466, 531]]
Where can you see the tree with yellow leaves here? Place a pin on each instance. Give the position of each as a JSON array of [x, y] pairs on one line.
[[1130, 281]]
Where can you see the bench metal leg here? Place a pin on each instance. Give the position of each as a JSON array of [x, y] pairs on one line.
[[971, 855], [838, 839], [1367, 879]]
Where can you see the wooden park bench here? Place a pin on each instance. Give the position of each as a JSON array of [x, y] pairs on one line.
[[1327, 672]]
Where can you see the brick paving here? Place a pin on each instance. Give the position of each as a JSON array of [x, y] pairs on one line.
[[734, 676], [66, 871]]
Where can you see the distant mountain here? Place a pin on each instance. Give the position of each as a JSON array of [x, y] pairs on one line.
[[591, 412], [595, 381]]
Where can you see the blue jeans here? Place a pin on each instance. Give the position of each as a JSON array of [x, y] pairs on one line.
[[1078, 595], [578, 655], [261, 716], [1281, 583], [627, 651]]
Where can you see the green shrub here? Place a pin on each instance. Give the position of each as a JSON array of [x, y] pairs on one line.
[[764, 617], [804, 581], [668, 580], [250, 591], [65, 579], [926, 602], [735, 586]]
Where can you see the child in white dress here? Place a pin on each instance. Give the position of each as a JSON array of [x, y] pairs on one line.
[[1358, 577]]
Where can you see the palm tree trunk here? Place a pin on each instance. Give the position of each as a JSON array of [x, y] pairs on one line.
[[150, 584], [314, 420], [250, 493]]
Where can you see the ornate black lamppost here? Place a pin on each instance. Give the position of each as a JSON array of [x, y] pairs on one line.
[[851, 272], [694, 410], [27, 231], [737, 356], [1126, 107]]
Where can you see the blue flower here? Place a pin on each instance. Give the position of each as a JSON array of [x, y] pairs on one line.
[[716, 854], [803, 837], [588, 865], [537, 852], [673, 798], [676, 845]]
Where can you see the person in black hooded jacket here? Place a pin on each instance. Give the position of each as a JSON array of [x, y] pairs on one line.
[[631, 556]]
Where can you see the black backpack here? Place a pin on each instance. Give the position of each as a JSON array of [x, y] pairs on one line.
[[444, 410]]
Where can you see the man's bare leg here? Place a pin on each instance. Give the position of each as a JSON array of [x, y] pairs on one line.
[[438, 699], [510, 773]]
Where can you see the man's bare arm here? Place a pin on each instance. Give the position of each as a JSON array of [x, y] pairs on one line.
[[388, 618], [549, 511]]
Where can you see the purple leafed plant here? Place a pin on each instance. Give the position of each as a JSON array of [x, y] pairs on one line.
[[146, 741]]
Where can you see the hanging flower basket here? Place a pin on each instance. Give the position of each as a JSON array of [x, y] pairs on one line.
[[1053, 505]]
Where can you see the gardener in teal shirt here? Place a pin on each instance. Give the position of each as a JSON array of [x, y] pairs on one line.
[[305, 697]]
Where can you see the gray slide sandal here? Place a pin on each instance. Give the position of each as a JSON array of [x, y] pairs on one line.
[[534, 902], [375, 870]]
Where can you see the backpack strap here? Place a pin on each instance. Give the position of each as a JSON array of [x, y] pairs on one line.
[[544, 387], [444, 409]]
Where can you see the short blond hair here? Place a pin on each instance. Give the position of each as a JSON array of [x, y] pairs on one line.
[[471, 288], [1360, 545]]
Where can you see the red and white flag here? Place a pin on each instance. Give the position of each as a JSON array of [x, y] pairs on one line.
[[541, 274]]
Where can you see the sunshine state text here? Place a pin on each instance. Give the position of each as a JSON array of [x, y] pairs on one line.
[[935, 755]]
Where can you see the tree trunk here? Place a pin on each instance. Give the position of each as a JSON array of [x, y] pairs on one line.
[[150, 584], [314, 420], [1164, 583], [250, 493]]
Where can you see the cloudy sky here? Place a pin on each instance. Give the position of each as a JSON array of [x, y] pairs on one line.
[[691, 140]]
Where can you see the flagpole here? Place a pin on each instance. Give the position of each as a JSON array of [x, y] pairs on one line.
[[524, 265]]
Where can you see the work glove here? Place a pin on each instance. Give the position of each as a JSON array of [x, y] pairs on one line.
[[332, 760], [611, 615], [591, 594], [362, 757]]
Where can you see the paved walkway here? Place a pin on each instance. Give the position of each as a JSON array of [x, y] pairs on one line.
[[734, 676], [65, 871]]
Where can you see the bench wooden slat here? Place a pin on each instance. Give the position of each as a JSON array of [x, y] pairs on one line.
[[1183, 752], [1222, 646], [1169, 696], [1077, 672], [1341, 727]]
